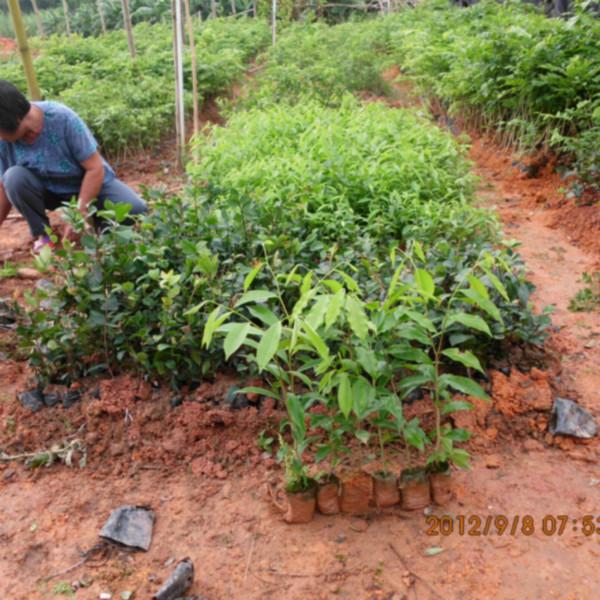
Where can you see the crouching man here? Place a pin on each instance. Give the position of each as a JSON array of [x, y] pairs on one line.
[[47, 157]]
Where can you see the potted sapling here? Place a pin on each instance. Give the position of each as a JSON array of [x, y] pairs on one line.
[[414, 481], [299, 487], [328, 492], [388, 421]]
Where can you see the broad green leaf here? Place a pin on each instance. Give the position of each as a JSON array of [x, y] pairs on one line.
[[367, 361], [410, 354], [419, 250], [422, 320], [412, 331], [364, 396], [212, 322], [345, 400], [408, 384], [455, 406], [466, 358], [306, 283], [350, 283], [497, 284], [470, 321], [357, 317], [464, 385], [363, 435], [336, 302], [235, 338], [484, 303], [460, 458], [255, 296], [252, 389], [316, 340], [252, 275], [268, 345], [478, 286], [424, 283], [262, 313], [316, 314]]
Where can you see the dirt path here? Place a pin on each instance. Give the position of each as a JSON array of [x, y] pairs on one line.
[[220, 516]]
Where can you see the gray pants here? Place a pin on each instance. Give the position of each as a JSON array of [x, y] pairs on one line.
[[26, 192]]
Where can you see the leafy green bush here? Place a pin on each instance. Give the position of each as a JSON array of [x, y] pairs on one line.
[[324, 63], [507, 66], [309, 188], [130, 104]]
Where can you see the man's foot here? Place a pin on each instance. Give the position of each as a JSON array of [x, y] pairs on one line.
[[41, 243]]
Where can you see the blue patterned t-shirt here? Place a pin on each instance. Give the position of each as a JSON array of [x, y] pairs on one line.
[[56, 154]]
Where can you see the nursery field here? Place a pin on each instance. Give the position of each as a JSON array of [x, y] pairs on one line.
[[333, 358]]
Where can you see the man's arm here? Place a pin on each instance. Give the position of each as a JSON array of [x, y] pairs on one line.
[[92, 182], [5, 204]]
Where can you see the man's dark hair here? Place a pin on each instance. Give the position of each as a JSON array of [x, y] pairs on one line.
[[13, 107]]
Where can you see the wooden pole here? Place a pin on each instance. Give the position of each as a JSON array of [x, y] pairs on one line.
[[274, 20], [24, 50], [101, 13], [254, 11], [213, 9], [67, 22], [192, 42], [233, 8], [38, 18], [128, 28]]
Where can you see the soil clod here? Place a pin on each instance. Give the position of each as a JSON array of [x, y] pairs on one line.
[[568, 418]]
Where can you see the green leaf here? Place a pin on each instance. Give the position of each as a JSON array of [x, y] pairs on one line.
[[478, 286], [419, 250], [484, 303], [433, 551], [364, 396], [357, 317], [412, 331], [422, 320], [268, 345], [367, 361], [497, 284], [336, 302], [460, 458], [255, 296], [316, 340], [466, 358], [316, 314], [212, 322], [455, 406], [470, 321], [262, 313], [252, 275], [235, 338], [251, 389], [424, 283], [345, 400], [350, 283], [464, 385], [363, 436]]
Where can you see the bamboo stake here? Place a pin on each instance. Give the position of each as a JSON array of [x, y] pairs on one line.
[[24, 50], [38, 18], [128, 28], [192, 43], [233, 8], [178, 62], [67, 22], [254, 12], [213, 9], [101, 13]]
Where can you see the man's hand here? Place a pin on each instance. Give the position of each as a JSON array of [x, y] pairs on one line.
[[69, 234], [5, 204]]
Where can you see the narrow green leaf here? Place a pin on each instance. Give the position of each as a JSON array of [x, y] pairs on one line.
[[470, 321], [478, 286], [255, 296], [357, 317], [336, 302], [268, 345], [455, 406], [235, 338], [464, 385], [433, 551], [345, 400], [424, 283], [466, 358], [252, 275], [484, 303], [316, 340], [497, 285]]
